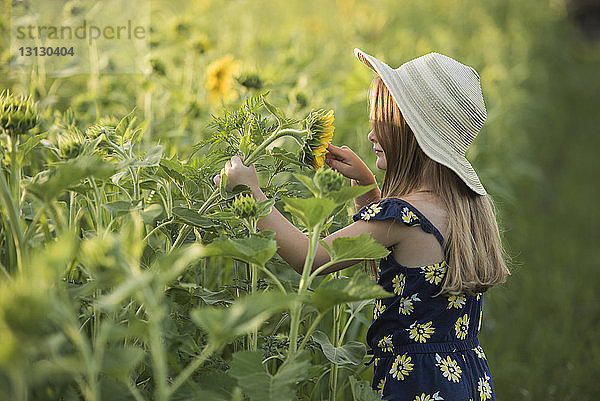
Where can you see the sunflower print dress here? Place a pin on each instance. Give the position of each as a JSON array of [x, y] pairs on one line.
[[424, 347]]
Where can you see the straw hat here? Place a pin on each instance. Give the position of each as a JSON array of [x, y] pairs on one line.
[[441, 101]]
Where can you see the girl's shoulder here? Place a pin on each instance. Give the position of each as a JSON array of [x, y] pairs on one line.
[[413, 209], [431, 207]]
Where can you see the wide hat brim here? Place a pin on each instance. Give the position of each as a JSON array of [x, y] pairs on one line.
[[441, 145]]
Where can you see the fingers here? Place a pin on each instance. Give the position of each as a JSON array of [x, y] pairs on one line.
[[332, 163], [236, 160], [333, 149], [237, 173], [339, 152]]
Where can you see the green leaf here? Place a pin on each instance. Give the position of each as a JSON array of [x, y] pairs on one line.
[[163, 271], [351, 353], [361, 247], [362, 391], [135, 135], [186, 393], [308, 183], [310, 211], [116, 178], [260, 385], [192, 218], [118, 362], [213, 297], [274, 110], [264, 208], [256, 249], [341, 290], [152, 158], [242, 317], [190, 188], [216, 385], [238, 189], [284, 155], [125, 124], [355, 307], [31, 142], [151, 213], [174, 169], [133, 284], [222, 216], [50, 184], [113, 390], [347, 193], [121, 207], [207, 296]]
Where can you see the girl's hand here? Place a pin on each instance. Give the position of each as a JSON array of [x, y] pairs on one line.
[[346, 162], [238, 174]]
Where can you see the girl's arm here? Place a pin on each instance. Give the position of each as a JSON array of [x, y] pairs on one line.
[[346, 162], [292, 243]]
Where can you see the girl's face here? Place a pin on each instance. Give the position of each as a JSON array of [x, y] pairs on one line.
[[381, 161]]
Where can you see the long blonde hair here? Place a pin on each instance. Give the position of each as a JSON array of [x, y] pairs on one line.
[[472, 248]]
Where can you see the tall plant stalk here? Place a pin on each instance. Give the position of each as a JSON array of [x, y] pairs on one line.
[[295, 313], [333, 376], [14, 233]]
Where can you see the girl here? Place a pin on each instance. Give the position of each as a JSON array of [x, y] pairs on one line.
[[436, 218]]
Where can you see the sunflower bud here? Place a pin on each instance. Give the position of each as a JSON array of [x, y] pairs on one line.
[[328, 180], [250, 80], [95, 130], [319, 125], [158, 67], [70, 144], [244, 206], [201, 44], [17, 114]]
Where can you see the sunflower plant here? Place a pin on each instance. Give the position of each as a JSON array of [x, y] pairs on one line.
[[252, 131]]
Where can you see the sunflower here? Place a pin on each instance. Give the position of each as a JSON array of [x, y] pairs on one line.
[[18, 114], [319, 125], [220, 78], [70, 143]]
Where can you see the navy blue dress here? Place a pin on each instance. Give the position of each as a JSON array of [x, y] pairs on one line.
[[424, 346]]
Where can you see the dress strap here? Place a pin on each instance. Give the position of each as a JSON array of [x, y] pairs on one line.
[[399, 209]]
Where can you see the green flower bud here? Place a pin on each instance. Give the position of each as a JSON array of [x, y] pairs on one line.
[[158, 66], [250, 80], [201, 44], [17, 114], [95, 130], [73, 8], [328, 180], [70, 144], [182, 28], [244, 206], [301, 99]]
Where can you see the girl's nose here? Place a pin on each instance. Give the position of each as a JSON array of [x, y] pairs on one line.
[[371, 136]]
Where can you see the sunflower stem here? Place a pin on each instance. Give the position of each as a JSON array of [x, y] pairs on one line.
[[296, 134], [296, 311], [185, 230]]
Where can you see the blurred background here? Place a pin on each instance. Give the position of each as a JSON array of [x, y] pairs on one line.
[[539, 63]]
